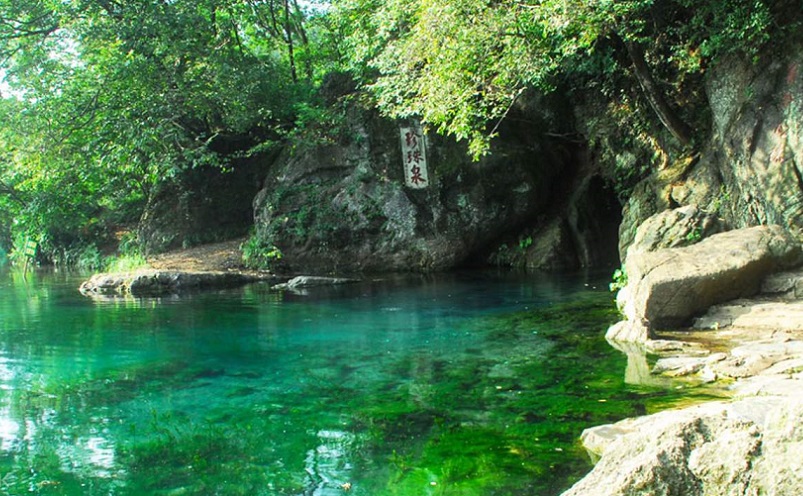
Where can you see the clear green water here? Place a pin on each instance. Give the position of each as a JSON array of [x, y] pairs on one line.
[[448, 385]]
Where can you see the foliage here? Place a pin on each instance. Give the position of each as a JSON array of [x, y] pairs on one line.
[[102, 101], [461, 64], [258, 254], [618, 280], [695, 235]]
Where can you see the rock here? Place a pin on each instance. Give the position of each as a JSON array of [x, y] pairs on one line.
[[667, 287], [780, 468], [580, 230], [311, 281], [340, 205], [201, 205], [749, 167], [550, 249], [679, 366], [156, 283], [788, 284], [752, 446], [674, 228], [628, 331], [642, 204], [757, 315]]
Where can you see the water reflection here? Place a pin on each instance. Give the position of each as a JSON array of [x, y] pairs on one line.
[[328, 465]]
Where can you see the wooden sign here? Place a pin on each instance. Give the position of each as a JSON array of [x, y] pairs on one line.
[[414, 157]]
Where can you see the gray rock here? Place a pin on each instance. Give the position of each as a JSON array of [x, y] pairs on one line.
[[679, 366], [341, 205], [667, 287], [752, 446], [151, 282], [787, 284], [312, 281], [674, 228]]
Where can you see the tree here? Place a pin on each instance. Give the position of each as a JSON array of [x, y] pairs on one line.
[[105, 99], [461, 64]]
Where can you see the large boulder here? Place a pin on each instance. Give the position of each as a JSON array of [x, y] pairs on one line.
[[666, 288], [340, 205], [752, 446]]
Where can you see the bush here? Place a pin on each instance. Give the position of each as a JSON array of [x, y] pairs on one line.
[[260, 254]]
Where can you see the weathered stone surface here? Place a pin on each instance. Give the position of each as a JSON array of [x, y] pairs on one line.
[[786, 284], [752, 446], [155, 283], [674, 228], [311, 281], [749, 170], [340, 205], [751, 314], [201, 205], [633, 331], [666, 288]]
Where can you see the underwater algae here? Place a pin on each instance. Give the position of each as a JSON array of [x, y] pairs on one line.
[[496, 407]]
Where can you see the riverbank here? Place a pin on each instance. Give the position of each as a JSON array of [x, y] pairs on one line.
[[753, 346], [217, 265]]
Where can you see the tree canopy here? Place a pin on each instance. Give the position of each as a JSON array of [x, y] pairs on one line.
[[105, 99], [461, 64]]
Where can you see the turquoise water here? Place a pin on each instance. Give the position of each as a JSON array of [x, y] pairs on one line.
[[472, 384]]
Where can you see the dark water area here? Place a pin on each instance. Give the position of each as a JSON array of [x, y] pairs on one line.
[[466, 384]]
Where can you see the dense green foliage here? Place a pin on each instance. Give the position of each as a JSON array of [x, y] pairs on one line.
[[103, 100], [461, 64]]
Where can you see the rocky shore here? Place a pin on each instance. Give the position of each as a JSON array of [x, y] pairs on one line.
[[725, 310], [154, 282]]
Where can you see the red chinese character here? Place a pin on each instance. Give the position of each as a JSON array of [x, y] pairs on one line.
[[412, 139], [414, 156], [416, 177]]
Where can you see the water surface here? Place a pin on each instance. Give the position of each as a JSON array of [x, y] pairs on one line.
[[472, 384]]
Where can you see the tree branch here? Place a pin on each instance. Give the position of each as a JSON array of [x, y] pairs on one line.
[[669, 118]]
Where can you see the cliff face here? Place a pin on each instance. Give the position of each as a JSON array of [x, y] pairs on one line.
[[542, 199], [343, 205], [749, 170]]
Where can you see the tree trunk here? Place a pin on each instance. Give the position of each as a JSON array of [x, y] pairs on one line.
[[288, 31], [669, 118]]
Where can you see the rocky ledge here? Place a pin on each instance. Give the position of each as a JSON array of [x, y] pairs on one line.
[[152, 282], [749, 444]]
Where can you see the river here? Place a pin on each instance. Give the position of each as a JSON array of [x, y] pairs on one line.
[[464, 384]]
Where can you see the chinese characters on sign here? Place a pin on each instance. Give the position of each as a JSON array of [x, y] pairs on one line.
[[414, 157]]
